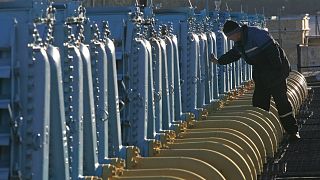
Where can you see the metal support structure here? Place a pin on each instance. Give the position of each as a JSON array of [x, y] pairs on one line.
[[128, 82]]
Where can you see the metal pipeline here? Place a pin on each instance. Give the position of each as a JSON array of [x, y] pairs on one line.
[[274, 130], [246, 132], [253, 112], [269, 140], [222, 162], [181, 173], [230, 134], [297, 90], [230, 143], [234, 106], [247, 168], [158, 169], [165, 166], [92, 178], [203, 169], [219, 144], [234, 141], [156, 177]]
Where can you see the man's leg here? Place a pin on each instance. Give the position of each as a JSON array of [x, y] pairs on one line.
[[284, 108], [261, 98]]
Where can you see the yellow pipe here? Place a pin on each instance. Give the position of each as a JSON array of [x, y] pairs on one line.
[[296, 92], [302, 80], [271, 120], [299, 81], [298, 87], [265, 132], [211, 132], [248, 171], [240, 102], [181, 173], [272, 116], [197, 166], [214, 144], [247, 95], [231, 135], [92, 178], [240, 145], [264, 121], [293, 101], [228, 168], [296, 84], [238, 126], [147, 177], [247, 101], [273, 108]]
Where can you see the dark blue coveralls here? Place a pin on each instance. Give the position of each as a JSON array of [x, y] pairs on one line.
[[270, 70]]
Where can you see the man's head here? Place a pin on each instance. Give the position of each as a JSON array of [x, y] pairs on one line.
[[232, 30]]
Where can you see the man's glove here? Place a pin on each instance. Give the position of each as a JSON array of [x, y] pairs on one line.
[[214, 59]]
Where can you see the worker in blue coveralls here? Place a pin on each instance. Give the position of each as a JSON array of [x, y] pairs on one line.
[[270, 70]]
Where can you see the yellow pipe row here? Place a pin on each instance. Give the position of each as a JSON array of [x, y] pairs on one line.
[[156, 177], [268, 138], [247, 168], [181, 173], [197, 166], [246, 150], [274, 132], [226, 133], [230, 143], [211, 125], [228, 168], [297, 90]]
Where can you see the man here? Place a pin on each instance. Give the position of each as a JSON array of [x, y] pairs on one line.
[[270, 70]]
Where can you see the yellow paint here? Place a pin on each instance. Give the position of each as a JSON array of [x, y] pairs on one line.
[[230, 135], [268, 138], [228, 168], [194, 165], [148, 177], [92, 178], [259, 118], [181, 173], [239, 127], [248, 171], [271, 116]]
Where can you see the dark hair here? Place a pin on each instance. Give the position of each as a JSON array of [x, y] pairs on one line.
[[230, 27]]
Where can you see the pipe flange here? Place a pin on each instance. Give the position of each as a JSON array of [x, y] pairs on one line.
[[133, 154]]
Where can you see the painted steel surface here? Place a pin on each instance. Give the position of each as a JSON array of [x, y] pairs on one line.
[[88, 92]]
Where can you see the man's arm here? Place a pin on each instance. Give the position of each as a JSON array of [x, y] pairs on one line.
[[227, 58]]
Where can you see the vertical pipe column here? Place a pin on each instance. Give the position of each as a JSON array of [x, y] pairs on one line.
[[157, 72], [114, 123], [35, 149], [171, 82], [89, 119], [221, 49], [100, 78], [58, 140], [165, 88]]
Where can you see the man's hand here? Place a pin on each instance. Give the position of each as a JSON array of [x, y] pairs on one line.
[[214, 59]]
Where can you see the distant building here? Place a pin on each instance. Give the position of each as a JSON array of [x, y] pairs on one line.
[[290, 31]]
